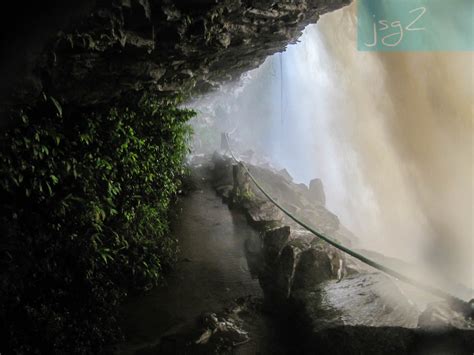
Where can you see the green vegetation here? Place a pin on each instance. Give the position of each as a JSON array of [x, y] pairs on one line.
[[241, 196], [84, 218]]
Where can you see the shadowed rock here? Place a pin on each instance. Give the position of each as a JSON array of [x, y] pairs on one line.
[[274, 240], [123, 47], [319, 263], [261, 213]]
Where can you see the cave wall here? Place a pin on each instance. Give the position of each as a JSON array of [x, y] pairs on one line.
[[25, 31], [104, 50]]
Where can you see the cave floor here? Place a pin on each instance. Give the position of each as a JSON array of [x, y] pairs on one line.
[[212, 272]]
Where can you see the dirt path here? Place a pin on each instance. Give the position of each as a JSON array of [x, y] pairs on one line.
[[212, 271]]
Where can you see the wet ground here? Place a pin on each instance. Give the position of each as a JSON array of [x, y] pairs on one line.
[[212, 272]]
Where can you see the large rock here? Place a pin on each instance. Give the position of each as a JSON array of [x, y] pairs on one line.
[[110, 49], [296, 198], [334, 312], [241, 181], [222, 172], [365, 299], [319, 263], [277, 279], [262, 213], [366, 313], [333, 304], [274, 240], [279, 187], [279, 270], [316, 192]]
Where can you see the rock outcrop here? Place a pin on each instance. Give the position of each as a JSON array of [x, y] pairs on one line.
[[316, 191], [293, 258], [120, 47], [336, 304]]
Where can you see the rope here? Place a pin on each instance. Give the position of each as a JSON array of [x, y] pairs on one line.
[[389, 271]]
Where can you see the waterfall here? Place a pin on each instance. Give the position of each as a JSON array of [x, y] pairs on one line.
[[389, 134]]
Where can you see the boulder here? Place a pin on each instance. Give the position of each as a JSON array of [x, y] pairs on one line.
[[262, 213], [278, 186], [316, 192], [241, 181], [285, 269], [302, 238], [222, 172], [317, 264], [277, 276], [274, 240]]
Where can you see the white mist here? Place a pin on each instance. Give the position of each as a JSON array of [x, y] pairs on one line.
[[389, 134]]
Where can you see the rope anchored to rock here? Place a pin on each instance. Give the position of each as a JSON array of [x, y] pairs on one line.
[[461, 305]]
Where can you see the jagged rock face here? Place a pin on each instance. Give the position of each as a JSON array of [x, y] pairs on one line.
[[274, 240], [333, 303], [126, 46], [25, 31], [260, 214], [294, 259]]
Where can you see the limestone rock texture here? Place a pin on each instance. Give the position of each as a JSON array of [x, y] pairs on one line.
[[112, 48]]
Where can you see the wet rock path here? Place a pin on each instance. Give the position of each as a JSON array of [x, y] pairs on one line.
[[212, 271]]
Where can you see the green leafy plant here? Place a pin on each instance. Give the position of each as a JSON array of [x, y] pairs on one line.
[[84, 218]]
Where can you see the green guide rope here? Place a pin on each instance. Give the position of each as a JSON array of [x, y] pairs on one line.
[[389, 271]]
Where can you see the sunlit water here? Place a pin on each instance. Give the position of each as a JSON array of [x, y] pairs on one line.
[[390, 135]]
